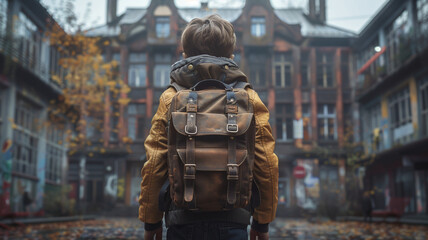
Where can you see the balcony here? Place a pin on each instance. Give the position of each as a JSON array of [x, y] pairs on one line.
[[396, 58], [32, 56]]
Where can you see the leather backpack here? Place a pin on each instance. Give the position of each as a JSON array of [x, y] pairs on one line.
[[211, 141]]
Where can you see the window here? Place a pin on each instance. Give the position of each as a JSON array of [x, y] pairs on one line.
[[257, 66], [400, 115], [28, 40], [423, 88], [137, 70], [422, 8], [306, 116], [305, 69], [161, 73], [317, 7], [284, 121], [136, 113], [327, 122], [325, 69], [377, 68], [398, 41], [344, 68], [95, 126], [3, 17], [25, 138], [162, 27], [283, 65], [162, 70], [258, 26], [372, 120], [54, 153], [114, 121], [405, 187]]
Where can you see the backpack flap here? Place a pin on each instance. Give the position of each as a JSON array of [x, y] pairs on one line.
[[212, 124]]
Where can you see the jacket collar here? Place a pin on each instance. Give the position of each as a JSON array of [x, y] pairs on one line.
[[189, 71]]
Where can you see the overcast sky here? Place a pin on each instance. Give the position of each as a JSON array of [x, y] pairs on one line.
[[348, 14]]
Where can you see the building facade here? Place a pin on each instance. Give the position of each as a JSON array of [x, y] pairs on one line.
[[391, 60], [33, 157], [300, 66]]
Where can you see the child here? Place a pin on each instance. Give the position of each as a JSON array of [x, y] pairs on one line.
[[208, 43]]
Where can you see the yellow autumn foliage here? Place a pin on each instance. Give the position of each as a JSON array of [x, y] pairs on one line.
[[89, 84]]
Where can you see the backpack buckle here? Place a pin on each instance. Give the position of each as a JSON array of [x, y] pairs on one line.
[[232, 171], [189, 171], [190, 133], [232, 128]]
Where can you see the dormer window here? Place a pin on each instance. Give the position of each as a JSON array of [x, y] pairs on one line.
[[258, 26], [162, 27]]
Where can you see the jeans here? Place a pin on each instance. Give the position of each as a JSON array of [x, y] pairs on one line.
[[208, 231]]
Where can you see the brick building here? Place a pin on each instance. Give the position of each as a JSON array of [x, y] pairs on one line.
[[299, 65]]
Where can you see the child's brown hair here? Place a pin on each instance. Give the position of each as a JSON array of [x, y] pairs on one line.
[[209, 35]]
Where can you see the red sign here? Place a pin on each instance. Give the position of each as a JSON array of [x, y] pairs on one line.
[[299, 172]]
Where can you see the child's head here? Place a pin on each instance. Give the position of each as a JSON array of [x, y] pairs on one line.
[[209, 35]]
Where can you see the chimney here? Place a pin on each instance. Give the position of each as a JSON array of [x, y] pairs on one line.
[[111, 10], [317, 10], [204, 4]]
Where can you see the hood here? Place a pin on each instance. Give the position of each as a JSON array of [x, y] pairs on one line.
[[189, 71]]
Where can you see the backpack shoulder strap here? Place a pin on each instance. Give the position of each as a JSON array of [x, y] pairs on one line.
[[177, 87], [240, 84]]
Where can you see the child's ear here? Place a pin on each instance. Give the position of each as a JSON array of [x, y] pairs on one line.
[[184, 55], [232, 56]]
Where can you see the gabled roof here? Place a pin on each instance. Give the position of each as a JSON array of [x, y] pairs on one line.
[[132, 15], [290, 16], [311, 29], [230, 14], [104, 31]]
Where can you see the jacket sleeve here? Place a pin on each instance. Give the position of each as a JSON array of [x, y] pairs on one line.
[[154, 172], [265, 163]]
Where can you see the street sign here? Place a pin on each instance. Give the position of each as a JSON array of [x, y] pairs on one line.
[[299, 172]]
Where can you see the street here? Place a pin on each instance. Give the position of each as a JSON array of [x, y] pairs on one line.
[[128, 228]]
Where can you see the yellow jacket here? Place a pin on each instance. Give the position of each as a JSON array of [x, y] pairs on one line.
[[155, 170]]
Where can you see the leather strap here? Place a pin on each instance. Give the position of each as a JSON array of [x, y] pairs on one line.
[[191, 109], [190, 164], [240, 84], [189, 172], [232, 167], [177, 86]]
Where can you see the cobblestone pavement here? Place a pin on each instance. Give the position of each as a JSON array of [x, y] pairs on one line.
[[126, 228]]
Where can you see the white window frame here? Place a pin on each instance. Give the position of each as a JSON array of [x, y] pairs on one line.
[[137, 72], [161, 75], [163, 27], [283, 64], [258, 26], [55, 150], [281, 121], [325, 116], [400, 98], [162, 70], [26, 138], [324, 66]]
